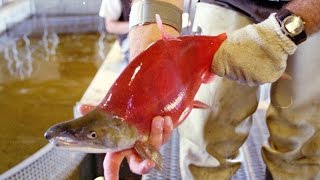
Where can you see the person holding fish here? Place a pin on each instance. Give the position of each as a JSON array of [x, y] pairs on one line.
[[284, 39], [164, 79]]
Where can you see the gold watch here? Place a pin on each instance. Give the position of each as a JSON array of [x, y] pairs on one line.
[[291, 25]]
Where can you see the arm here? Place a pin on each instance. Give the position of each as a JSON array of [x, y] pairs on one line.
[[111, 11], [258, 53], [309, 10], [150, 32], [140, 37], [116, 27]]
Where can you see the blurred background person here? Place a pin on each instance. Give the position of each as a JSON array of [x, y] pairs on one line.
[[116, 15]]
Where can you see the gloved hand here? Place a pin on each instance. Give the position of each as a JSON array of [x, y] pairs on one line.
[[254, 54]]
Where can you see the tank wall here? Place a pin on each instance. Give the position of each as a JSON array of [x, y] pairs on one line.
[[67, 7], [15, 11]]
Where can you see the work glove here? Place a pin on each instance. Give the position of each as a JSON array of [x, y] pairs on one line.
[[254, 54]]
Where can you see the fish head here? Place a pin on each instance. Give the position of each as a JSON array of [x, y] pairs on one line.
[[95, 132]]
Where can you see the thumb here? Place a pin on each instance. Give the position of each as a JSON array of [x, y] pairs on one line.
[[112, 162]]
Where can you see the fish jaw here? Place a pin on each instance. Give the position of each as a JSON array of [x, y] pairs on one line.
[[95, 132]]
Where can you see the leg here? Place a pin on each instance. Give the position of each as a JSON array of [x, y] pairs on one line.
[[210, 140], [293, 118]]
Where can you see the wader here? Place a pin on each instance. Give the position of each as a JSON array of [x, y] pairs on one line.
[[210, 139]]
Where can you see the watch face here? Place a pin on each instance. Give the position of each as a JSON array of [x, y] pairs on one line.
[[294, 25]]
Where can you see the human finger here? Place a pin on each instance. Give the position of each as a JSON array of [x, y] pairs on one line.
[[138, 165], [111, 164], [167, 129], [156, 133]]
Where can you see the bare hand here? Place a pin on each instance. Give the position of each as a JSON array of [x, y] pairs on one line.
[[161, 130]]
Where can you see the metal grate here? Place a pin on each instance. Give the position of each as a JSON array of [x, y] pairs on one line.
[[47, 163], [252, 167]]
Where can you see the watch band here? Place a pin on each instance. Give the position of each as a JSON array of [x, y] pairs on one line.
[[280, 16], [143, 12]]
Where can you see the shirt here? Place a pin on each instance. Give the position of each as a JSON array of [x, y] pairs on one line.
[[111, 9], [257, 10]]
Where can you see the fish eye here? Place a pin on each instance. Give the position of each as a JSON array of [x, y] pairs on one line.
[[92, 135]]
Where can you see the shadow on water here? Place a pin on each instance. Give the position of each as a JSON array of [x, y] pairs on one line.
[[46, 65]]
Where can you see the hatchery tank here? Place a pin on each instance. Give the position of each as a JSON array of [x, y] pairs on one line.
[[46, 64]]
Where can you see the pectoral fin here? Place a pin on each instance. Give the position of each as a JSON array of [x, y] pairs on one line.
[[86, 108], [147, 151], [200, 105]]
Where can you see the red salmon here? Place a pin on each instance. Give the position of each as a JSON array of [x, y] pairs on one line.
[[162, 80]]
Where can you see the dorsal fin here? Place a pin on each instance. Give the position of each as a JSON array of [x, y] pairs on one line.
[[164, 35], [207, 77]]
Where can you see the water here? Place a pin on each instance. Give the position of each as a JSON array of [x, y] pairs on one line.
[[42, 76]]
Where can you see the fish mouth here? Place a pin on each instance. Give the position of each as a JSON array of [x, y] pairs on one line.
[[69, 144], [66, 143], [62, 141], [59, 137]]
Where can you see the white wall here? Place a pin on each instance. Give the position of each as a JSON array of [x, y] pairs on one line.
[[14, 12], [67, 7]]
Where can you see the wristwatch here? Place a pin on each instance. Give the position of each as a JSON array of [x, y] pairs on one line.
[[291, 25]]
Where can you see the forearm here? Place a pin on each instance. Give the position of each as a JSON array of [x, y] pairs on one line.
[[309, 10], [142, 36], [117, 27]]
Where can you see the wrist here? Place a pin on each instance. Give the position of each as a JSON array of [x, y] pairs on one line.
[[271, 25], [291, 25], [149, 31], [143, 12], [178, 3], [150, 34], [309, 12]]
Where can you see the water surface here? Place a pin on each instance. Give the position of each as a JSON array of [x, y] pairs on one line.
[[41, 79]]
